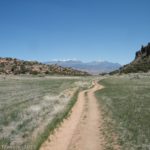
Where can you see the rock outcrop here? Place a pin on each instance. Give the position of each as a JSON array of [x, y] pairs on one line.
[[141, 63]]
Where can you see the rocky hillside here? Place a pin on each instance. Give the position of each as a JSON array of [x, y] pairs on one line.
[[141, 62], [15, 66]]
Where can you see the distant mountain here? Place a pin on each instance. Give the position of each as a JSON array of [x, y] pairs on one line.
[[94, 67], [16, 66], [141, 63]]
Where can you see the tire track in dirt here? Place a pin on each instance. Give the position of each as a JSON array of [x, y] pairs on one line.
[[82, 130]]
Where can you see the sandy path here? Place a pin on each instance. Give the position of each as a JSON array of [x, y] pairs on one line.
[[82, 130]]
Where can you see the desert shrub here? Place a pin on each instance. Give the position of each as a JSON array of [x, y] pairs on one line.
[[34, 72]]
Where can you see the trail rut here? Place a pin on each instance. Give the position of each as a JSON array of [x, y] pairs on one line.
[[82, 130]]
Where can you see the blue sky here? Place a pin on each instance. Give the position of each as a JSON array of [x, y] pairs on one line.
[[85, 30]]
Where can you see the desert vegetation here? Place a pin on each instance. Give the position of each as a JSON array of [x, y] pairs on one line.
[[125, 103], [15, 66], [31, 107]]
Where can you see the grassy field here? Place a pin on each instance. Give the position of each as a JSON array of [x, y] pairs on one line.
[[30, 107], [125, 102]]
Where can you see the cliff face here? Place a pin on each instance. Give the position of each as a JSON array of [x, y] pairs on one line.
[[141, 63], [15, 66], [143, 53]]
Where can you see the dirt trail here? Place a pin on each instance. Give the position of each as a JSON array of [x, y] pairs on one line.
[[82, 130]]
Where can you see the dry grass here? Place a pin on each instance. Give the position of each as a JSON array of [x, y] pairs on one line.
[[29, 104]]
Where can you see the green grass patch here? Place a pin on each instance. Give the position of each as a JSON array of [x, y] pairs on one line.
[[125, 102]]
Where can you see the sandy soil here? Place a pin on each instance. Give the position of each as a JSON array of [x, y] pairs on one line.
[[82, 130]]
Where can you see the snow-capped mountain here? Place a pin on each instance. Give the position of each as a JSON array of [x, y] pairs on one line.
[[94, 67]]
